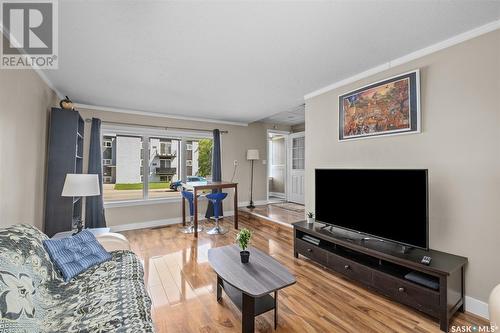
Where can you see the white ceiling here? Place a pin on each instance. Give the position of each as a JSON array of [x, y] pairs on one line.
[[292, 117], [238, 60]]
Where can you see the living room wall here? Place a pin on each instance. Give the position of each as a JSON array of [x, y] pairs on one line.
[[25, 101], [234, 146], [459, 144]]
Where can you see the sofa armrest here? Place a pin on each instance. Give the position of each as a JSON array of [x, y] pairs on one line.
[[113, 241], [494, 306]]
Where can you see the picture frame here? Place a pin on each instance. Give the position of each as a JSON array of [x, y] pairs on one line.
[[387, 107]]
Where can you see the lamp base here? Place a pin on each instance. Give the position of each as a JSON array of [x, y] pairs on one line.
[[251, 206], [79, 226]]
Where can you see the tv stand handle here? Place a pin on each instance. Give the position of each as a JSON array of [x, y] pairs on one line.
[[401, 289], [309, 250], [347, 267]]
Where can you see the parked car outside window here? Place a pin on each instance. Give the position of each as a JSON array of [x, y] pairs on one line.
[[177, 185]]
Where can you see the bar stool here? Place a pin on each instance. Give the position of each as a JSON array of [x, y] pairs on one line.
[[189, 229], [216, 199]]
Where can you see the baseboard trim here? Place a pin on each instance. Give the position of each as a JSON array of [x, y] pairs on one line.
[[477, 307], [145, 224], [157, 223], [174, 220]]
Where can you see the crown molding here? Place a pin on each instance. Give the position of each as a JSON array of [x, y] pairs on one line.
[[484, 29], [46, 80], [156, 114]]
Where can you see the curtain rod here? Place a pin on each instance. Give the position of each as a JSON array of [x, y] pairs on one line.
[[155, 126]]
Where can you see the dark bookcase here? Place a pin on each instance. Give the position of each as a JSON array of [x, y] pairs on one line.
[[65, 155]]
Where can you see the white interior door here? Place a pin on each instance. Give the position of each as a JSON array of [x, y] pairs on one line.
[[296, 166], [277, 166]]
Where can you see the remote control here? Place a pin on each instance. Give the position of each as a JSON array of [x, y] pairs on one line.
[[426, 260]]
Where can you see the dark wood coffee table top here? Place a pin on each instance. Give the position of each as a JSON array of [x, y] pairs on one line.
[[261, 276]]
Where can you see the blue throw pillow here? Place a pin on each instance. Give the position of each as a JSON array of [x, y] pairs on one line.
[[74, 255]]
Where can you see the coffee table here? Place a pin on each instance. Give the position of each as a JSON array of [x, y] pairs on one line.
[[249, 285]]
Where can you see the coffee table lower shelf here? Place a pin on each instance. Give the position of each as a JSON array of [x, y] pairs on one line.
[[249, 306]]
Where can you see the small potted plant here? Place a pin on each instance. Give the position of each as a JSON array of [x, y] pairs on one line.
[[310, 218], [243, 239]]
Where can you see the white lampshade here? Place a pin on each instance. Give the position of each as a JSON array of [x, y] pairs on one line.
[[252, 154], [81, 185]]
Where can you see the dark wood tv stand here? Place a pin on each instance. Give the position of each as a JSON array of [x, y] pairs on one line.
[[382, 266]]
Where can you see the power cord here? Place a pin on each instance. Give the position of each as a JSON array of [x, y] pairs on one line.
[[234, 173]]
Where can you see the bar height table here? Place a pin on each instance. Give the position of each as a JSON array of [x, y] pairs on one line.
[[199, 186]]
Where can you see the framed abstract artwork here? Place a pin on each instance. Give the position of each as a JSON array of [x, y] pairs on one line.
[[387, 107]]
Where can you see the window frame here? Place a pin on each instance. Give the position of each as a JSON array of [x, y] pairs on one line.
[[146, 133]]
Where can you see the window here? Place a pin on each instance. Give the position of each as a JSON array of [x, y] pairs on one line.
[[124, 177], [166, 148], [199, 158], [298, 145], [165, 178], [140, 158], [165, 167]]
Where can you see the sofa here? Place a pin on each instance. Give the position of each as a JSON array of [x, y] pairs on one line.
[[494, 306], [109, 297]]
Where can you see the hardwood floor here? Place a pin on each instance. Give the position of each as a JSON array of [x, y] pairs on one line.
[[182, 287]]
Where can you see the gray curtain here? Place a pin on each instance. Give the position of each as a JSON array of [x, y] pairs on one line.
[[94, 207], [216, 170]]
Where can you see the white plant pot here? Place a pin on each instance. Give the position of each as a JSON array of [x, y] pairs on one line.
[[310, 220]]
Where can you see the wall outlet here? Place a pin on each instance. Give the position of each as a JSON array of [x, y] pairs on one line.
[[235, 162]]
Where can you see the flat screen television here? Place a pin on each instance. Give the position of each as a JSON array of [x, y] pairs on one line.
[[387, 204]]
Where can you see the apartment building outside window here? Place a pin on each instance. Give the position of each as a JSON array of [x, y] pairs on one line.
[[127, 158]]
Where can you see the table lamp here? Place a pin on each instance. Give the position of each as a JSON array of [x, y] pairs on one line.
[[252, 155], [81, 185]]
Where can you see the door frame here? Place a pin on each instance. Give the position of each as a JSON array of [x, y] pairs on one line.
[[289, 160], [286, 134]]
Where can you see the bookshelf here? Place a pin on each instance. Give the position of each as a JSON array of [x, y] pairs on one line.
[[65, 155]]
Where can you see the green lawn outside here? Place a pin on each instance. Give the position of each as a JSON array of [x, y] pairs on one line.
[[138, 186]]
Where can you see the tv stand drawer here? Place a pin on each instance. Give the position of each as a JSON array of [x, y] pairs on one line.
[[311, 251], [377, 266], [422, 298], [350, 268]]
